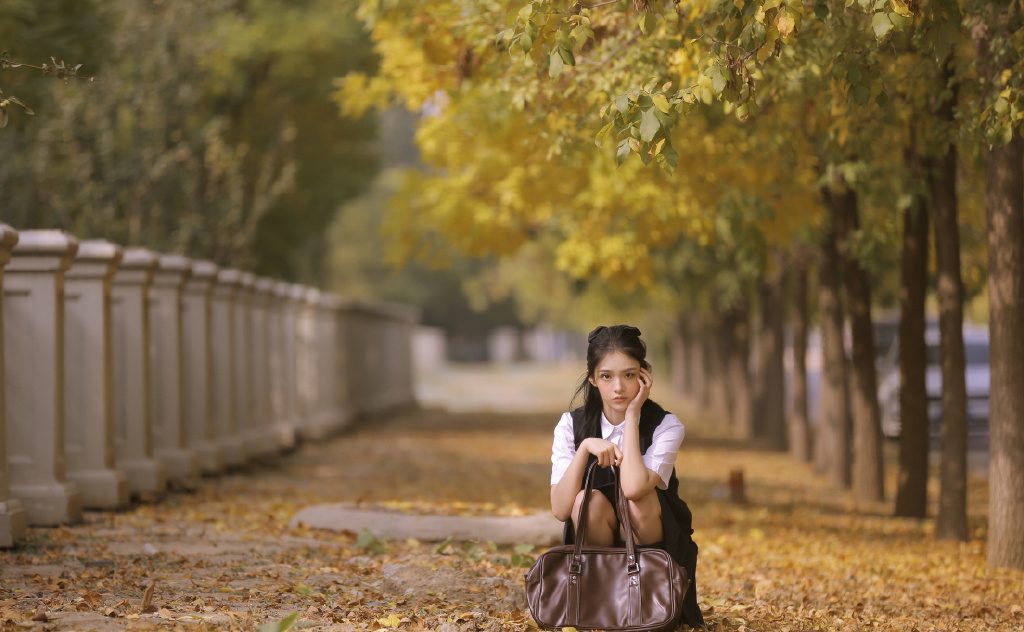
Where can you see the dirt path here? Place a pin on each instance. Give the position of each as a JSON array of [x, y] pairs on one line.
[[797, 557]]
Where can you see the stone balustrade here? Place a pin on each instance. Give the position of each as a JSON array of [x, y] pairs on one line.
[[124, 372]]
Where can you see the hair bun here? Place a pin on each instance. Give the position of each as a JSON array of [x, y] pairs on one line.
[[623, 329]]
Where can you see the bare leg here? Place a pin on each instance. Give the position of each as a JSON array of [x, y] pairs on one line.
[[645, 514], [601, 521]]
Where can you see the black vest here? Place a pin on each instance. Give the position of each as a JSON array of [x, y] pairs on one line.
[[651, 415]]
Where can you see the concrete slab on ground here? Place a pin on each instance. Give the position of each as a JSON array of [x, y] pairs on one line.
[[536, 529]]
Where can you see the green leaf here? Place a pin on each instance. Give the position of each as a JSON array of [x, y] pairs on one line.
[[523, 549], [882, 98], [719, 81], [526, 42], [621, 153], [861, 95], [649, 125], [366, 539], [279, 626], [647, 23], [881, 25], [668, 159], [661, 102], [567, 56], [622, 103], [444, 545], [601, 135], [555, 64]]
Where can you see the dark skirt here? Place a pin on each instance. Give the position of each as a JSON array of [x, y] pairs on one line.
[[677, 529]]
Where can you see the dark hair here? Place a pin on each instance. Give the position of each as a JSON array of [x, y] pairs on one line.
[[601, 342]]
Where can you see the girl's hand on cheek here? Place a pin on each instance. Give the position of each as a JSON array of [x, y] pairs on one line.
[[646, 380]]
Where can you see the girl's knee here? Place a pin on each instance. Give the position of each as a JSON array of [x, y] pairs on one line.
[[598, 510], [645, 514]]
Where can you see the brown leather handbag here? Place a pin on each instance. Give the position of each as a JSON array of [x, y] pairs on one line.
[[631, 589]]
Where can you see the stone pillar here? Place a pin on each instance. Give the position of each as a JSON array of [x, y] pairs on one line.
[[326, 418], [34, 357], [260, 407], [13, 521], [89, 377], [359, 349], [196, 306], [283, 371], [344, 372], [169, 439], [243, 358], [306, 365], [222, 368], [133, 421]]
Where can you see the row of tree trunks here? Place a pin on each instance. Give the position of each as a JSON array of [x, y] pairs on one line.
[[769, 425], [912, 480], [735, 342], [832, 443], [799, 426], [867, 427], [951, 521], [1004, 205]]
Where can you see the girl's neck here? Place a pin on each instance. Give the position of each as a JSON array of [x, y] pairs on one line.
[[614, 417]]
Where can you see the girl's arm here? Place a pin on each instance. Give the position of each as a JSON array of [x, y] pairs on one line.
[[636, 479], [563, 493]]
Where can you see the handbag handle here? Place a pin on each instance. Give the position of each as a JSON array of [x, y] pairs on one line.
[[632, 566]]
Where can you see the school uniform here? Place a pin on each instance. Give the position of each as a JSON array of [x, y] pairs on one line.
[[660, 434]]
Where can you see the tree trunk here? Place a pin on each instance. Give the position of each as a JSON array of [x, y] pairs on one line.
[[912, 485], [799, 426], [832, 442], [717, 372], [770, 423], [697, 361], [867, 422], [679, 354], [736, 353], [951, 521], [1004, 203]]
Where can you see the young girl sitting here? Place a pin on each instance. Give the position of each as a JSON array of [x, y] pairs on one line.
[[618, 426]]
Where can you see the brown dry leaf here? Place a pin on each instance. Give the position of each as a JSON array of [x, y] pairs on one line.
[[40, 614], [92, 598], [147, 598]]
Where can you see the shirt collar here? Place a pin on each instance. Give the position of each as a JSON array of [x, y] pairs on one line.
[[607, 428]]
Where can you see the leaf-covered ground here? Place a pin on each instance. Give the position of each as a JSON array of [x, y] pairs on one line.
[[796, 556]]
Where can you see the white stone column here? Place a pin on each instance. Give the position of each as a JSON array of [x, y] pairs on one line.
[[223, 410], [34, 357], [326, 419], [243, 359], [196, 305], [89, 377], [260, 407], [133, 422], [289, 296], [343, 390], [170, 442], [358, 383], [307, 364], [13, 521]]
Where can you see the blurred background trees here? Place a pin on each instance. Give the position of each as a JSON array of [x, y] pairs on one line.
[[209, 130]]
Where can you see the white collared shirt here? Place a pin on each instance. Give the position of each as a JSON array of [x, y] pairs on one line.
[[660, 458]]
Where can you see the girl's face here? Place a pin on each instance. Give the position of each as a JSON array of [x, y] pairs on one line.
[[617, 378]]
